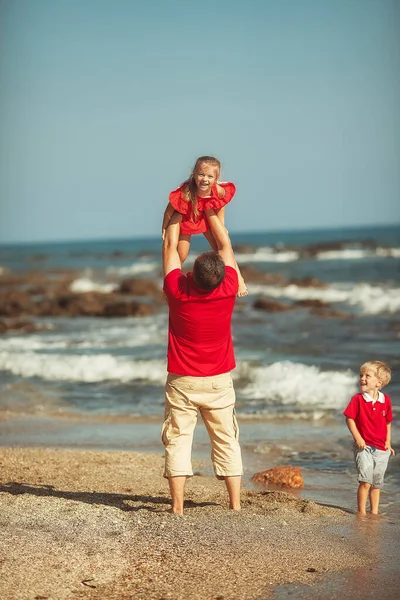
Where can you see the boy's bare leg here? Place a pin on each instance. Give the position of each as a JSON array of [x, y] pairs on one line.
[[242, 290], [374, 497], [233, 485], [183, 246], [177, 489], [362, 497]]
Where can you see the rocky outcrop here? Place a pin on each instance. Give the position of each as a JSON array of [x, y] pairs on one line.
[[140, 287], [42, 294], [18, 326], [270, 305]]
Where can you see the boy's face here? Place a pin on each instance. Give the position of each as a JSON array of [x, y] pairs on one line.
[[369, 382], [205, 178]]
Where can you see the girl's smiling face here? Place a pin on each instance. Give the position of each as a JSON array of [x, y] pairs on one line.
[[369, 383], [205, 177]]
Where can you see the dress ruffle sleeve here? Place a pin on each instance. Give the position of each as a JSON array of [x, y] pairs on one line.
[[215, 201], [178, 202]]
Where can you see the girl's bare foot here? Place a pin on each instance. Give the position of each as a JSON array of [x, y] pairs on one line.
[[242, 291]]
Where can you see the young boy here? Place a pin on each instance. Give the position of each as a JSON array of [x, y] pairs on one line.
[[369, 417]]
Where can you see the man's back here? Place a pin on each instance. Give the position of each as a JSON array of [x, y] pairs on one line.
[[200, 340]]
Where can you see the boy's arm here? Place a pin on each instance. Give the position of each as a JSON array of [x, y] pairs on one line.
[[388, 439], [170, 256], [221, 237], [169, 211], [358, 440]]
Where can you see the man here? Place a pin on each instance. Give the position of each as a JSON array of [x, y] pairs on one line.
[[200, 358]]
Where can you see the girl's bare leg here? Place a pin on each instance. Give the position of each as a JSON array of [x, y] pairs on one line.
[[242, 291], [183, 246]]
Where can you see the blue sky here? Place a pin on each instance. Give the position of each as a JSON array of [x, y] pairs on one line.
[[105, 105]]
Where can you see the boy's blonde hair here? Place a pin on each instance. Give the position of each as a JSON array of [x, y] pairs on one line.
[[382, 371]]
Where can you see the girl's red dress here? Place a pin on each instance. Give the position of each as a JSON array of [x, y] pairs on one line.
[[190, 224]]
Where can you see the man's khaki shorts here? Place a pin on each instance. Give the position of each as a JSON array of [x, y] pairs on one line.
[[214, 397]]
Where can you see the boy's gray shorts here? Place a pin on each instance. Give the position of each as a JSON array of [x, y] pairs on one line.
[[371, 465]]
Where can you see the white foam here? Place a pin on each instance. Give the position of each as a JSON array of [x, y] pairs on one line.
[[286, 383], [134, 332], [86, 368], [267, 255], [371, 299], [358, 253], [393, 252], [134, 269], [85, 284], [275, 255]]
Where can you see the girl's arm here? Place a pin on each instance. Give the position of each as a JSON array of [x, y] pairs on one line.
[[388, 439], [358, 440], [169, 211]]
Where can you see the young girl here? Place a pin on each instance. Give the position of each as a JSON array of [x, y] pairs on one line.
[[200, 192]]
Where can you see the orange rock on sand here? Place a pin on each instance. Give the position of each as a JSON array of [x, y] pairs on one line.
[[286, 476]]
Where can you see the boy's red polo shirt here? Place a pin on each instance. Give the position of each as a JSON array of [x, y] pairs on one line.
[[371, 419], [199, 337]]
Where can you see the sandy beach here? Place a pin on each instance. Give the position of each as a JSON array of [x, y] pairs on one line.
[[88, 524]]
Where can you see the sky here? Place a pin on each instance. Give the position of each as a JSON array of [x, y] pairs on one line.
[[106, 104]]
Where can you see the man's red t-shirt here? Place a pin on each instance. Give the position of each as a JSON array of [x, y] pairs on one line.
[[199, 337], [371, 419]]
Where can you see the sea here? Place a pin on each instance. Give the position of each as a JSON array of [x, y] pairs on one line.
[[97, 383]]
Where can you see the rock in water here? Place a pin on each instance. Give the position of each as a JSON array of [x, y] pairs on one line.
[[286, 476]]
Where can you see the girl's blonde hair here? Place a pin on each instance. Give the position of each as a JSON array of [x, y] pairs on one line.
[[382, 371], [190, 187]]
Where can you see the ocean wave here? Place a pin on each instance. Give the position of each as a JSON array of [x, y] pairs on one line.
[[143, 331], [303, 415], [135, 269], [85, 284], [296, 384], [84, 368], [268, 255], [358, 253], [277, 255], [371, 299]]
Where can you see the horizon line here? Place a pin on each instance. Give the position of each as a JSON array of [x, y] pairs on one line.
[[101, 239]]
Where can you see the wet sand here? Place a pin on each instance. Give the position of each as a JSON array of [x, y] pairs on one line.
[[95, 524]]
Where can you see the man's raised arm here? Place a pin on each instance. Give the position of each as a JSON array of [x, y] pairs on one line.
[[170, 256], [222, 238]]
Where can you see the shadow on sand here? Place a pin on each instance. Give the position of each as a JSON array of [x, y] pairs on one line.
[[121, 501]]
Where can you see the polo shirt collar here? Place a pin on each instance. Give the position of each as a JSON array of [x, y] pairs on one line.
[[368, 398]]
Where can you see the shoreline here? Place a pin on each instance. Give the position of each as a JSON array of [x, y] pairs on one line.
[[94, 525]]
